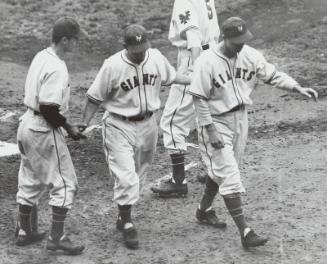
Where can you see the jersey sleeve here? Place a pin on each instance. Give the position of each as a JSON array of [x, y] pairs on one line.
[[268, 73], [52, 87], [166, 70], [100, 88], [201, 81], [185, 17]]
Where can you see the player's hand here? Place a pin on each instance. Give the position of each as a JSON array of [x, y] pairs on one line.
[[308, 92], [215, 138], [73, 132]]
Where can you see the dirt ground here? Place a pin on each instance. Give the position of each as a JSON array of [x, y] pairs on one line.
[[284, 169]]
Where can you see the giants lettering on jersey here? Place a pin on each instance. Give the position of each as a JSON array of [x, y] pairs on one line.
[[130, 84], [241, 73]]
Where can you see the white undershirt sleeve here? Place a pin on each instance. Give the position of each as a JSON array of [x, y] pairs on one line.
[[202, 111]]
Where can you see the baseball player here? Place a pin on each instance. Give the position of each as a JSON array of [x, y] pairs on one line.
[[128, 87], [193, 28], [223, 80], [45, 158]]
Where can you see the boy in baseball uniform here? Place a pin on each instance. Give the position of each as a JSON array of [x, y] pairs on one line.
[[128, 87], [223, 80], [193, 28], [45, 158]]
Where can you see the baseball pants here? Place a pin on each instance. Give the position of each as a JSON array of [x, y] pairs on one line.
[[223, 164], [178, 116], [129, 148], [45, 163]]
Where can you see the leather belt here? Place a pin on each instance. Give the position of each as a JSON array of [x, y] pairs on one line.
[[237, 108], [205, 47], [135, 118], [34, 111]]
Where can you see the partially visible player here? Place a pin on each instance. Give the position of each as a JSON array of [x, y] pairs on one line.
[[128, 87], [223, 80], [45, 158], [193, 28]]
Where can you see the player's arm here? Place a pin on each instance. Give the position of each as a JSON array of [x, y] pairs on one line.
[[270, 75], [200, 90], [203, 112], [91, 107], [182, 79], [193, 37], [50, 98], [96, 94]]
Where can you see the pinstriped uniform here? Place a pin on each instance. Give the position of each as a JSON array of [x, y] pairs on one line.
[[193, 25], [45, 158]]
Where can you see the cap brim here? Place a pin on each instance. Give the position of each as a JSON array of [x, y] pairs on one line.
[[139, 48], [247, 36]]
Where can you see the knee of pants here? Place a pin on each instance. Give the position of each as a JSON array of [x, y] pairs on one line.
[[127, 181]]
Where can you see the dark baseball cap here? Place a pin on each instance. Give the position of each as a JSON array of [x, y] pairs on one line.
[[234, 29], [135, 38]]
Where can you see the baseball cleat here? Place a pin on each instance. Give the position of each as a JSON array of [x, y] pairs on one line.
[[170, 189], [64, 244], [253, 240], [24, 239], [209, 218], [129, 234]]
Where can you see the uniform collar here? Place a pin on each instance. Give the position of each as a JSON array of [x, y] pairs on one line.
[[125, 58]]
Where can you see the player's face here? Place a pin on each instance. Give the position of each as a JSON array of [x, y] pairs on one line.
[[136, 57], [70, 44], [234, 48]]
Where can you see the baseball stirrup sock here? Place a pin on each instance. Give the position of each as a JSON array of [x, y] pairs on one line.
[[209, 195], [234, 206], [125, 213], [25, 217], [178, 164], [34, 218], [58, 222]]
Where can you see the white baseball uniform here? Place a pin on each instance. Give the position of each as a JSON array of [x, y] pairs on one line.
[[128, 92], [193, 25], [45, 158], [226, 85]]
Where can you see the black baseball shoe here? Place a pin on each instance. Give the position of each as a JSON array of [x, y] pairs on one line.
[[129, 234], [209, 218], [64, 244], [253, 240], [170, 189], [24, 239]]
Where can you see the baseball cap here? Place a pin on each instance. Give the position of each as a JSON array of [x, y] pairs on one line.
[[65, 27], [135, 38], [234, 29]]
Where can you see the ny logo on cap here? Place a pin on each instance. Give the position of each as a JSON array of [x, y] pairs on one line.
[[138, 38], [240, 28]]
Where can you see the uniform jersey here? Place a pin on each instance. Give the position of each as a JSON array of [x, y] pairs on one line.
[[226, 83], [47, 82], [129, 89], [197, 15]]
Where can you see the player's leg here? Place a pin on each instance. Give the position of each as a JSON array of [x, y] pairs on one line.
[[119, 143], [147, 138], [177, 120], [29, 189], [225, 168], [61, 178], [205, 213]]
